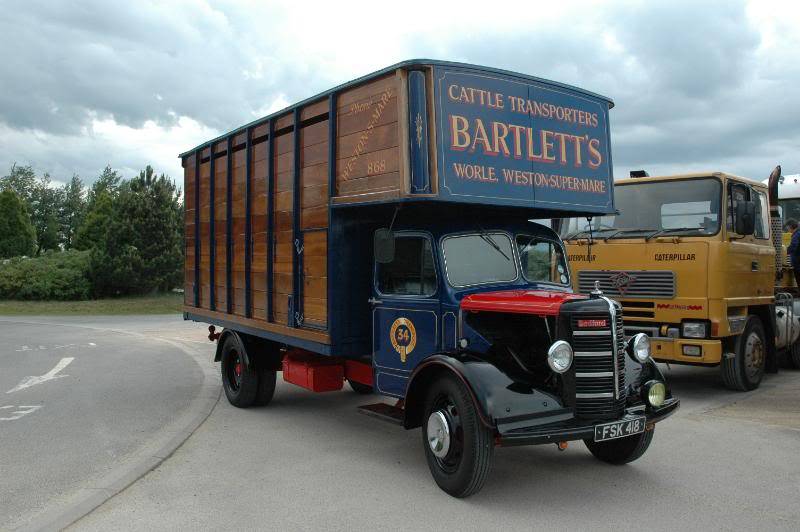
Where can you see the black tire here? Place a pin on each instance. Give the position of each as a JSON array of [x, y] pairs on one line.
[[266, 387], [464, 469], [744, 370], [793, 355], [621, 451], [359, 388], [239, 380]]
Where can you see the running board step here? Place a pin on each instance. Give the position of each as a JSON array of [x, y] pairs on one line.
[[384, 412]]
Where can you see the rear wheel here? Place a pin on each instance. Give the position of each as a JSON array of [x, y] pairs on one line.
[[239, 380], [457, 445], [266, 386], [622, 450], [744, 370], [794, 355]]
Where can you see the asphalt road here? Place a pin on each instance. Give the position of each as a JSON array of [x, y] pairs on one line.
[[311, 462], [80, 398]]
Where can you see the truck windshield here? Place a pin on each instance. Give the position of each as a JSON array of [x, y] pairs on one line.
[[790, 209], [685, 207], [542, 260], [482, 258]]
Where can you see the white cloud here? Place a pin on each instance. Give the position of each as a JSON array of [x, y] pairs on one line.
[[85, 84]]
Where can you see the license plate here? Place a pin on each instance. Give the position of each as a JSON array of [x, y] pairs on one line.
[[619, 429]]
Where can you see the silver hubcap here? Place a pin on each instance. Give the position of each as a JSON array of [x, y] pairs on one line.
[[753, 355], [438, 434]]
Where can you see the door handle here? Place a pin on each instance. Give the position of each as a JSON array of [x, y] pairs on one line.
[[373, 301]]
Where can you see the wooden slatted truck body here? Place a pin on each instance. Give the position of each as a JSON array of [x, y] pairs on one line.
[[379, 233]]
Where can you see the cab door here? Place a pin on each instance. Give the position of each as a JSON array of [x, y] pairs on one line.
[[751, 262], [405, 313]]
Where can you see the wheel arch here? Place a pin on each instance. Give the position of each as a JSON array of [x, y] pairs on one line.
[[421, 379], [254, 350], [497, 395]]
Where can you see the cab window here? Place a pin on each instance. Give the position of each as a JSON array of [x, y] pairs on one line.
[[762, 215], [736, 194], [411, 273], [542, 260]]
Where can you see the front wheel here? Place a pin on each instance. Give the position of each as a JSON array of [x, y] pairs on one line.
[[457, 445], [622, 450], [744, 370]]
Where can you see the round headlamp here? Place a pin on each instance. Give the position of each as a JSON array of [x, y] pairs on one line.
[[654, 393], [559, 356], [639, 347]]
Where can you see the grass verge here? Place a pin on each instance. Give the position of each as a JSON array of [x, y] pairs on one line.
[[157, 304]]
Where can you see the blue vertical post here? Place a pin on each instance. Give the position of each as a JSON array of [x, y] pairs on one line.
[[212, 238], [248, 237], [297, 318], [229, 229], [418, 133], [331, 193]]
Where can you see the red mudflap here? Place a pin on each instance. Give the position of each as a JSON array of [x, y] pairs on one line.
[[359, 372]]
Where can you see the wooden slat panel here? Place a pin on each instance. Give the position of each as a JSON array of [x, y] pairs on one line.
[[258, 222], [347, 98], [314, 109], [238, 231]]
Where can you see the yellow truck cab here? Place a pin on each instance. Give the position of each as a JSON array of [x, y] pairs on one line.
[[691, 260]]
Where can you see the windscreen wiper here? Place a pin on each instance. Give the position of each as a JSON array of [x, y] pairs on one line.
[[575, 234], [670, 230], [492, 243]]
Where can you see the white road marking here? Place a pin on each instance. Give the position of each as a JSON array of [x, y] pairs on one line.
[[21, 411], [27, 382], [24, 348]]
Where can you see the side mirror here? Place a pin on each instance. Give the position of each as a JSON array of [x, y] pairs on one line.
[[745, 217], [383, 244]]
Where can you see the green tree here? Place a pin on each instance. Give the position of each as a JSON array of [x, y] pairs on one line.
[[142, 249], [22, 180], [46, 204], [94, 226], [17, 236], [72, 212], [107, 182]]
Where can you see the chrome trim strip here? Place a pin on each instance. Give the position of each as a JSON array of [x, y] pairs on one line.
[[604, 395], [592, 354], [613, 311], [591, 333], [595, 374]]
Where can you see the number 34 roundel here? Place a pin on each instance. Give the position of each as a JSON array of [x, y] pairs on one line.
[[403, 336]]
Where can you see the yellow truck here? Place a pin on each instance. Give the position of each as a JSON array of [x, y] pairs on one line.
[[692, 260]]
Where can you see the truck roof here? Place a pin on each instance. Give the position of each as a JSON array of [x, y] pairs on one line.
[[383, 71], [693, 175]]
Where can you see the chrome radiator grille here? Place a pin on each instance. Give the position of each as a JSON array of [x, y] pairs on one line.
[[599, 368], [629, 283]]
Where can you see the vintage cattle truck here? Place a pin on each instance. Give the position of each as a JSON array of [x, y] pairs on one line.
[[692, 260], [378, 234]]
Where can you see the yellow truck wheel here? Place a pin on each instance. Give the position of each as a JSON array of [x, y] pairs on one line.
[[743, 368], [794, 355]]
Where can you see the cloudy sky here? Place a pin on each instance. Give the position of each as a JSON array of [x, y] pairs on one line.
[[85, 84]]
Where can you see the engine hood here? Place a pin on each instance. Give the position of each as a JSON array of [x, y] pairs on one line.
[[537, 302]]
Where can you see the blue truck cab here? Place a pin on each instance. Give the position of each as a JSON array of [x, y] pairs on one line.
[[380, 234]]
